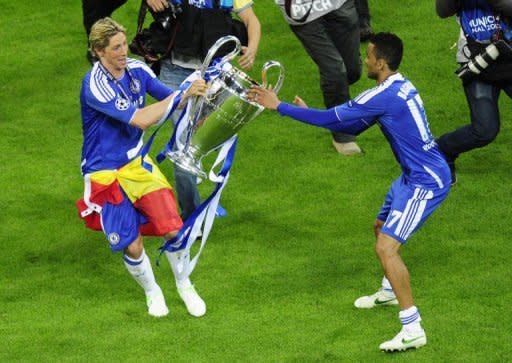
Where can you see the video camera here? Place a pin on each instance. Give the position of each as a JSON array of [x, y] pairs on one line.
[[168, 16], [155, 42], [480, 62]]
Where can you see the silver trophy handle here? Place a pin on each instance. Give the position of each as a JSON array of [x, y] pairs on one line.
[[218, 44], [265, 68], [196, 104]]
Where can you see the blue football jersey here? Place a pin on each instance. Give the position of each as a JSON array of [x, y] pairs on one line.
[[107, 107], [397, 108]]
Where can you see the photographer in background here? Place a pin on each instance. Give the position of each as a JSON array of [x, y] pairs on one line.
[[486, 68], [329, 33], [200, 25], [93, 10]]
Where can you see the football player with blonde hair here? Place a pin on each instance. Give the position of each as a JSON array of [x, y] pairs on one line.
[[125, 195]]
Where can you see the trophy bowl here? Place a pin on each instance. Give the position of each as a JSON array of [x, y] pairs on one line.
[[225, 109]]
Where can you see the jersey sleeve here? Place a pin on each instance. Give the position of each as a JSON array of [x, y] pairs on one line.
[[157, 89], [102, 97], [368, 106], [154, 86], [325, 118]]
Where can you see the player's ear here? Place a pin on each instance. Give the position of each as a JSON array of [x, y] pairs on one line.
[[98, 53], [381, 63]]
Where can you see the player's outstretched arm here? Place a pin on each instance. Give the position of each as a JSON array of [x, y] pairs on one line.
[[268, 99]]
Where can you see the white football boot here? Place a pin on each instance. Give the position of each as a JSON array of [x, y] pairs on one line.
[[156, 303], [195, 305], [405, 340], [380, 298], [179, 262]]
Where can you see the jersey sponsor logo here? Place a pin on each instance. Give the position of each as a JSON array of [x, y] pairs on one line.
[[483, 24], [113, 238], [122, 104], [432, 144]]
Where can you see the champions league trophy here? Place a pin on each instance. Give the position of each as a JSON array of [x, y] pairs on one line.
[[219, 115]]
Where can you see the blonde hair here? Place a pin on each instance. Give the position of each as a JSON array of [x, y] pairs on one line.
[[102, 31]]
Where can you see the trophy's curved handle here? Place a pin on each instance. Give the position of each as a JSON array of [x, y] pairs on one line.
[[197, 102], [265, 68], [218, 44]]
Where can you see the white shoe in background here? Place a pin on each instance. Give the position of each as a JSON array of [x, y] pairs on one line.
[[380, 298]]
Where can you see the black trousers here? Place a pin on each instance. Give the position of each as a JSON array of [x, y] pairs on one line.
[[482, 99], [332, 41], [363, 10], [93, 10]]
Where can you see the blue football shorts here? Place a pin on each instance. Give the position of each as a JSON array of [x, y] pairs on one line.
[[120, 223], [407, 207]]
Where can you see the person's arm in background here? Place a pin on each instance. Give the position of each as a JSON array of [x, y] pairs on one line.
[[446, 8], [253, 26], [157, 5]]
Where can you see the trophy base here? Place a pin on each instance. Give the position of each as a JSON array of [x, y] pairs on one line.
[[187, 163]]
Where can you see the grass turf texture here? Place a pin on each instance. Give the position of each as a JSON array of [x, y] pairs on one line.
[[280, 273]]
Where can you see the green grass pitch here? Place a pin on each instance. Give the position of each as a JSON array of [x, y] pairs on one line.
[[280, 273]]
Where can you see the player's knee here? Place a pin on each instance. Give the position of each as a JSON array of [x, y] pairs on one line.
[[378, 249], [134, 249], [383, 250]]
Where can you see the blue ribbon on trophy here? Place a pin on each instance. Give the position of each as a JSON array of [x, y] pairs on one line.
[[203, 217], [210, 123]]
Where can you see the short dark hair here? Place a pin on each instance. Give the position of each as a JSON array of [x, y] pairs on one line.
[[389, 47]]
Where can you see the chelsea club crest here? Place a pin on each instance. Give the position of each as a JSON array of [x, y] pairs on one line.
[[113, 238], [135, 86]]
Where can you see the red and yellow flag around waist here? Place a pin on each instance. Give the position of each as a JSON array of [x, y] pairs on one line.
[[134, 179]]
